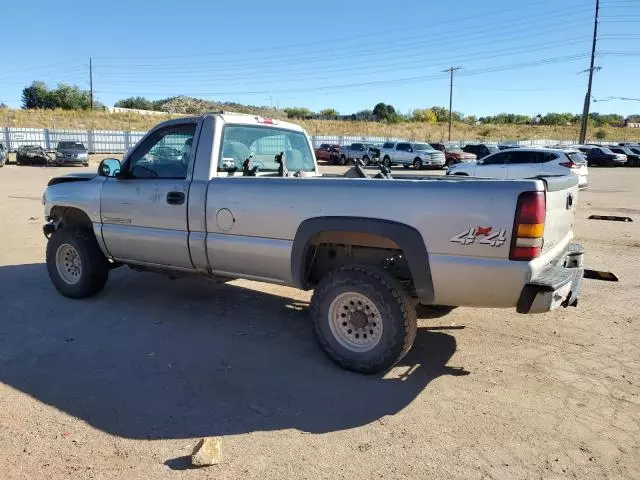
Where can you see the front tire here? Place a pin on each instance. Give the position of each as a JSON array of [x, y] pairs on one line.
[[364, 319], [386, 161], [76, 265], [417, 164], [366, 160], [343, 160]]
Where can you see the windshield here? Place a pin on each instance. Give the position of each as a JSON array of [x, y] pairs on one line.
[[422, 146], [264, 143], [606, 150], [70, 146]]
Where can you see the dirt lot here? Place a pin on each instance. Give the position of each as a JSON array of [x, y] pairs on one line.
[[123, 385]]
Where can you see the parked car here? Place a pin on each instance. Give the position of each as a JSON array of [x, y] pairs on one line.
[[527, 163], [358, 150], [480, 150], [603, 157], [72, 153], [454, 155], [420, 155], [633, 158], [4, 156], [327, 152], [479, 243], [32, 155]]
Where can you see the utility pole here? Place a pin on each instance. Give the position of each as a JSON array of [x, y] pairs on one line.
[[90, 83], [587, 98], [451, 70]]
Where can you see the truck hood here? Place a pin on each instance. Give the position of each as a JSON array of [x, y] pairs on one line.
[[72, 177]]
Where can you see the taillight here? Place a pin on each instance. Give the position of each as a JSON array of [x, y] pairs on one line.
[[570, 164], [528, 226]]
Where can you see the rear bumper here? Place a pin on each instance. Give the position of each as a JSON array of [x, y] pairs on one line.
[[557, 285]]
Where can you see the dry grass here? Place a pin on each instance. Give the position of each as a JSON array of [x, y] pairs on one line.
[[99, 120]]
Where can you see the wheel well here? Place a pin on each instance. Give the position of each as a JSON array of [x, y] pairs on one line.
[[462, 174], [417, 159], [330, 250], [70, 217]]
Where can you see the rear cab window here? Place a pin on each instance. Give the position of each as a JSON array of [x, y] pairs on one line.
[[262, 144]]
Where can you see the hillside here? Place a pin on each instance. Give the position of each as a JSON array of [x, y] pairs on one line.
[[100, 120]]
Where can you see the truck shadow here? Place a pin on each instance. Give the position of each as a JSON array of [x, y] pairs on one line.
[[154, 358]]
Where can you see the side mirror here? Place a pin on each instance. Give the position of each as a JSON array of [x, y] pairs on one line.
[[411, 150], [109, 167]]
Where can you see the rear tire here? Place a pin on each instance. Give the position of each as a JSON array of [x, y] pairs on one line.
[[364, 319], [386, 161], [76, 265]]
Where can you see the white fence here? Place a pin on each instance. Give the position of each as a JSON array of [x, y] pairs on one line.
[[120, 141]]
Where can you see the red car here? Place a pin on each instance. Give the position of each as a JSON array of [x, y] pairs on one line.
[[454, 154], [327, 152]]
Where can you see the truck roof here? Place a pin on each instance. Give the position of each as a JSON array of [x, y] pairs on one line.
[[249, 119]]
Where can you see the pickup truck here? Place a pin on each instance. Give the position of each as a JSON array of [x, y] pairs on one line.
[[419, 155], [358, 151], [244, 199]]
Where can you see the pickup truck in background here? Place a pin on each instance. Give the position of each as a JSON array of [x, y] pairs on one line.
[[358, 151], [243, 198], [418, 155]]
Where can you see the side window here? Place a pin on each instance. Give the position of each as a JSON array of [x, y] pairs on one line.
[[548, 157], [596, 151], [496, 159], [357, 146], [403, 147], [388, 145], [523, 157], [164, 154]]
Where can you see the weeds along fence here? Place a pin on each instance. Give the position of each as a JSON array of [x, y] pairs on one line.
[[120, 141]]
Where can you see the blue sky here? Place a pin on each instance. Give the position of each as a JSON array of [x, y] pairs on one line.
[[516, 56]]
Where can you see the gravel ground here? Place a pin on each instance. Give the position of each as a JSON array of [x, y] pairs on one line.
[[123, 385]]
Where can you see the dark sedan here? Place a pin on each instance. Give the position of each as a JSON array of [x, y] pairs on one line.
[[603, 157], [32, 155], [633, 158]]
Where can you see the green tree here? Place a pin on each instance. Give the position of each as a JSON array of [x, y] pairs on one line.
[[138, 103], [329, 112], [298, 112], [37, 95]]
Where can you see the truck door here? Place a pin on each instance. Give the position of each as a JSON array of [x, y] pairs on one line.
[[402, 154], [144, 209]]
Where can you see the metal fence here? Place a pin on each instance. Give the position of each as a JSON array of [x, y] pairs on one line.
[[120, 141]]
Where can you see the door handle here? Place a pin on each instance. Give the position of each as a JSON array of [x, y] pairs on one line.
[[175, 198]]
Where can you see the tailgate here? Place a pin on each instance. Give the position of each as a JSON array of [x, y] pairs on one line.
[[561, 201]]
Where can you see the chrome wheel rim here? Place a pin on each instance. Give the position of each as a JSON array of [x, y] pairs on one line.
[[355, 322], [68, 264]]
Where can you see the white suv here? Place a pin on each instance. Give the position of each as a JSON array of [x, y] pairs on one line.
[[526, 163]]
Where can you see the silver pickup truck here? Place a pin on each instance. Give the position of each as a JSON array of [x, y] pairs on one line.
[[230, 196], [416, 154], [358, 151]]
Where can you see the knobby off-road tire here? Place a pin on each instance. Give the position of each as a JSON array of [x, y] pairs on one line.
[[364, 319], [75, 263]]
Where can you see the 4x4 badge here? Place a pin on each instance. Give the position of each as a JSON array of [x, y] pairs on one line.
[[485, 236]]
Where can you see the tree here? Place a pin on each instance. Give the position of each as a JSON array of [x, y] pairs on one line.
[[138, 103], [601, 134], [471, 119], [68, 97], [365, 115], [423, 115], [329, 112], [384, 112], [298, 112]]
